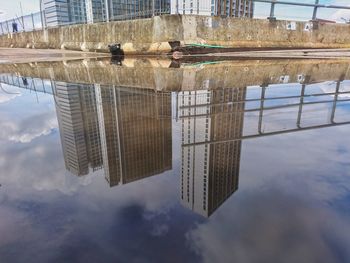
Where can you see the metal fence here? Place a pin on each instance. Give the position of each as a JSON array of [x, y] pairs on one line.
[[28, 23], [261, 9]]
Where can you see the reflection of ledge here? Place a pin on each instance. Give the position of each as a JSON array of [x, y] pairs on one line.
[[165, 75]]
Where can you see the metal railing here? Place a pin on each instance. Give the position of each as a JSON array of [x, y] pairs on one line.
[[260, 9], [307, 10], [25, 23]]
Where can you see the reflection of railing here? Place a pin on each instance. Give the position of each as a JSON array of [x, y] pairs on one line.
[[32, 84], [263, 107]]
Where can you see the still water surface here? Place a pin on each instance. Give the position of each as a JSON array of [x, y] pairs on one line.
[[102, 173]]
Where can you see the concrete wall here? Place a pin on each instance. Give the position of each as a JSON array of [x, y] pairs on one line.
[[158, 74], [152, 35]]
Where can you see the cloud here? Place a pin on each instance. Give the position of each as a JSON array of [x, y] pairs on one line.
[[160, 230]]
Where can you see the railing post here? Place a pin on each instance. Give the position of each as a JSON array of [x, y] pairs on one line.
[[23, 23], [107, 10], [334, 107], [261, 111], [33, 21], [153, 7], [314, 15], [301, 103], [8, 27], [272, 11]]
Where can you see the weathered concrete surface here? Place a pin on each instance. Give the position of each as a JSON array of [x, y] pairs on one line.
[[152, 35], [158, 74], [24, 55], [271, 54]]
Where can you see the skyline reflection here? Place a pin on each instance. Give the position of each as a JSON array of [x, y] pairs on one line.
[[128, 131]]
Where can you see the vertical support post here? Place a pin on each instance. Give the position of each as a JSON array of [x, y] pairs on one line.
[[2, 29], [177, 7], [33, 21], [272, 11], [153, 7], [314, 15], [107, 10], [23, 24], [8, 28], [41, 15]]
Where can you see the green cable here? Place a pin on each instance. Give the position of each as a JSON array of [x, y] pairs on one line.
[[204, 45]]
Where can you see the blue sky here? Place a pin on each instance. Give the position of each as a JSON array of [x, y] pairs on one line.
[[12, 8]]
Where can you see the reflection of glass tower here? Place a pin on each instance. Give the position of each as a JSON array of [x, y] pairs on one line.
[[210, 171], [135, 128], [77, 119]]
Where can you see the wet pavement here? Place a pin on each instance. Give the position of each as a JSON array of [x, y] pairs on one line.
[[144, 160], [28, 55]]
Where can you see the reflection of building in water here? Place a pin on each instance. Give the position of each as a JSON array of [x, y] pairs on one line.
[[210, 171], [78, 124], [135, 128]]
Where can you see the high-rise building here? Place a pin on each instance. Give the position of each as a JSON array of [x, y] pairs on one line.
[[120, 9], [61, 12], [235, 8], [95, 11], [210, 166], [195, 7], [135, 130], [77, 11], [77, 118], [56, 12]]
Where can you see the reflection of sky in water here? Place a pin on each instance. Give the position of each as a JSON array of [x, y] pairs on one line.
[[291, 204]]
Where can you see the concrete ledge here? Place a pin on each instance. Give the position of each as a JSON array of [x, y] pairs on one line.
[[152, 35], [158, 74]]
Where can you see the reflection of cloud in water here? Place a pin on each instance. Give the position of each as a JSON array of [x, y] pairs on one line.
[[8, 97], [27, 130], [37, 166], [311, 163], [8, 93], [272, 227]]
